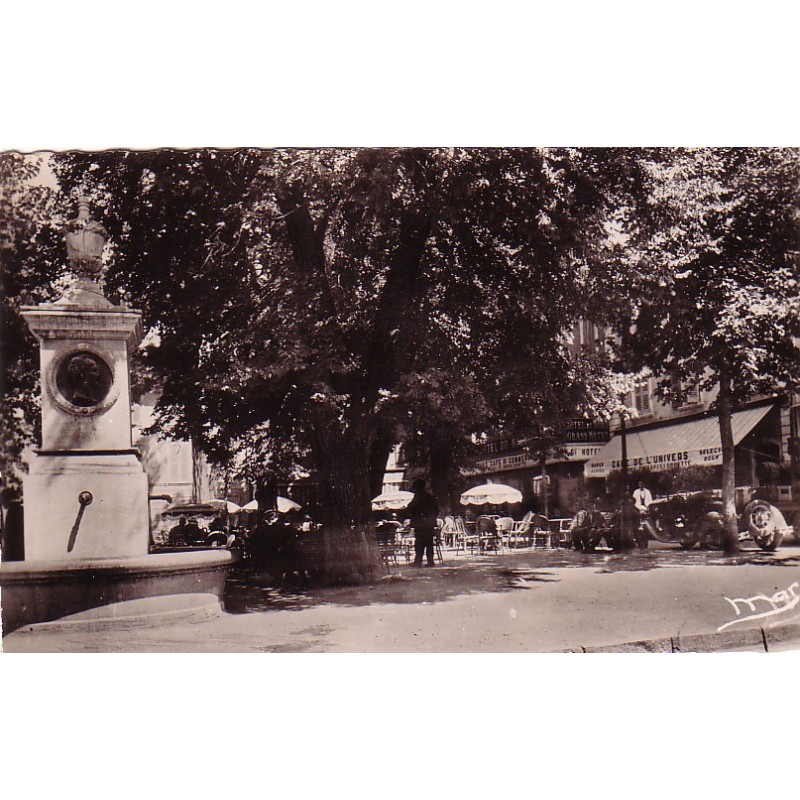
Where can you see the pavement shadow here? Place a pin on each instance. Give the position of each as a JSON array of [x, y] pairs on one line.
[[252, 591]]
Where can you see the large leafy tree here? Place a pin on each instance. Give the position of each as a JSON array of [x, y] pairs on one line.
[[326, 303], [712, 280], [31, 271]]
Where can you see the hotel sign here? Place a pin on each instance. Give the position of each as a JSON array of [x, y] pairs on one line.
[[500, 464], [566, 452], [576, 452], [586, 430]]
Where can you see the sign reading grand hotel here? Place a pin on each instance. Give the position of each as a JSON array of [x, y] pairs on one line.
[[586, 430]]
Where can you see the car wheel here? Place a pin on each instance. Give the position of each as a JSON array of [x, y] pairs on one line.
[[759, 517], [764, 523]]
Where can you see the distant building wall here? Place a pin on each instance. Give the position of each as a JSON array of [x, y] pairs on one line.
[[169, 465]]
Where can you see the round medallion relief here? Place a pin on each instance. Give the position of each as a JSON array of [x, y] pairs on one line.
[[82, 381]]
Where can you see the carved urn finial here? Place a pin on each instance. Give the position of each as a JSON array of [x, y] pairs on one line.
[[85, 239]]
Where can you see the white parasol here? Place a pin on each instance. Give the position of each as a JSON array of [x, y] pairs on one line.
[[491, 493], [391, 501], [228, 505], [284, 505]]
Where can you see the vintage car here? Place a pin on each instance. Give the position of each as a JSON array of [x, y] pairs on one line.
[[695, 518], [688, 519], [195, 535]]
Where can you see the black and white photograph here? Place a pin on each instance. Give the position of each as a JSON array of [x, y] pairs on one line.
[[448, 358], [401, 400]]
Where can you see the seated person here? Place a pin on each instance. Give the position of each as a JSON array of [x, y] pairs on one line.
[[586, 527], [217, 524], [194, 533], [179, 535]]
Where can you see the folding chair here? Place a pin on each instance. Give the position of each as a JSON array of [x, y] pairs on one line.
[[437, 545], [387, 545], [448, 531], [521, 531], [464, 538]]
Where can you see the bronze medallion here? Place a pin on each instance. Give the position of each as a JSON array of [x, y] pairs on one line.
[[84, 379]]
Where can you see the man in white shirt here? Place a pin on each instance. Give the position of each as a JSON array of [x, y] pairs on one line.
[[642, 498]]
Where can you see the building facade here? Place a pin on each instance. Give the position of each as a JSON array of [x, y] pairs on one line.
[[660, 438], [176, 473]]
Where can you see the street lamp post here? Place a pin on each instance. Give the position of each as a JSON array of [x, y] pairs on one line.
[[624, 443], [626, 531]]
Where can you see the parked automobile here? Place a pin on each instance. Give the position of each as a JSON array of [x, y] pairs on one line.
[[695, 518], [189, 526]]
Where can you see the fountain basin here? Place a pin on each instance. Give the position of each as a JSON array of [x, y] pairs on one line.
[[106, 591]]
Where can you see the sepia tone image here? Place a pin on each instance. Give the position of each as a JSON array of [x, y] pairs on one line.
[[432, 400]]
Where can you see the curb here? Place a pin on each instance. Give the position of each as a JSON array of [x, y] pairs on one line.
[[753, 638], [112, 620]]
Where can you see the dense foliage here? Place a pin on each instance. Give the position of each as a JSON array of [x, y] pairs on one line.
[[713, 279], [31, 271], [328, 303]]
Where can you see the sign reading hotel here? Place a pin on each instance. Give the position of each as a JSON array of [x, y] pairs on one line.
[[526, 460], [586, 430]]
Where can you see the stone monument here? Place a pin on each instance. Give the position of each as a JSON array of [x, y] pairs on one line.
[[87, 521], [85, 343]]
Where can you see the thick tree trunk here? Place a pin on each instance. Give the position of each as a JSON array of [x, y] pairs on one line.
[[349, 551], [730, 537], [344, 454], [443, 472]]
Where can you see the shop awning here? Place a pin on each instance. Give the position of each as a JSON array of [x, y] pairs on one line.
[[682, 444]]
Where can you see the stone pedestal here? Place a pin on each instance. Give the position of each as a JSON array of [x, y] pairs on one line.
[[87, 521], [86, 434], [114, 525]]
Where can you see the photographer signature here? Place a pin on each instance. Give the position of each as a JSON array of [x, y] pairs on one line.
[[783, 600]]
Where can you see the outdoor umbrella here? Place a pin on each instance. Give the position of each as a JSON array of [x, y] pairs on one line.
[[491, 493], [284, 505], [391, 501]]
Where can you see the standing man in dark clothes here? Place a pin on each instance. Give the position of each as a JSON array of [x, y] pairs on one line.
[[422, 511]]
